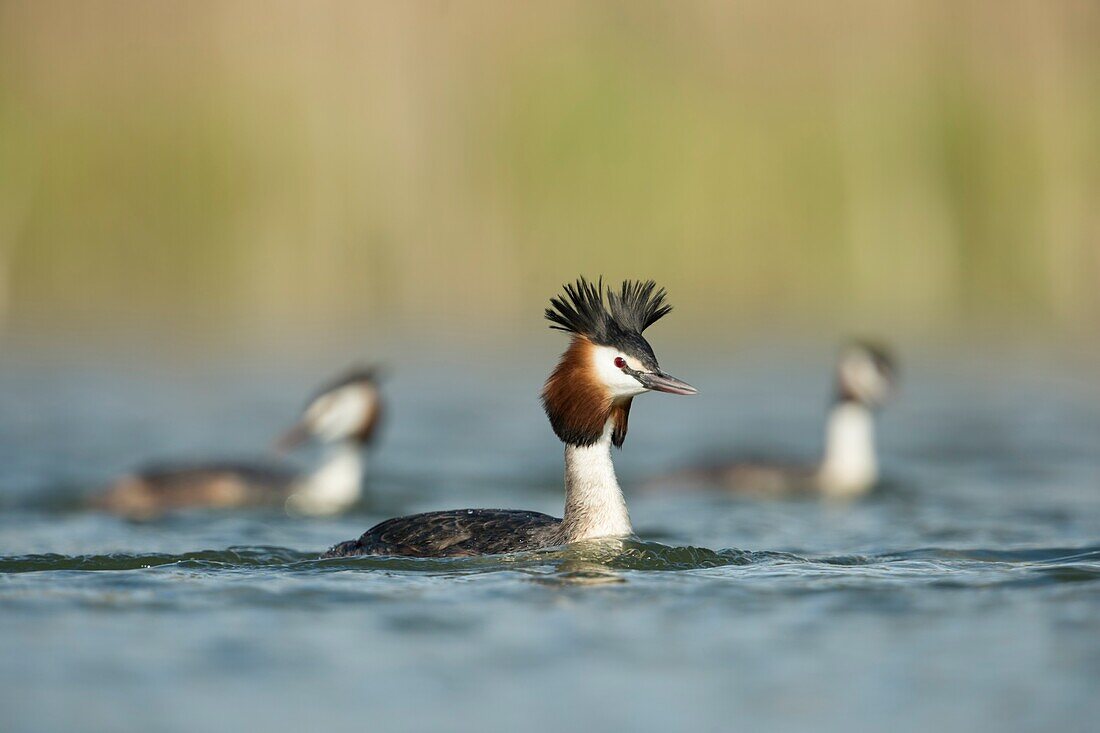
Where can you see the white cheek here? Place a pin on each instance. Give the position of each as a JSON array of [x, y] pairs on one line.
[[864, 378], [339, 414], [617, 382]]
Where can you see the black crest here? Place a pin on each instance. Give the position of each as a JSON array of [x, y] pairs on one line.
[[638, 305], [617, 321], [879, 353], [359, 373]]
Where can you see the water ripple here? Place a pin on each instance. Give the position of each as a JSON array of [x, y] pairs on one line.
[[1059, 564]]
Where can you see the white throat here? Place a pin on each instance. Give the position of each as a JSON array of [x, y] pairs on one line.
[[594, 504], [849, 466], [334, 485]]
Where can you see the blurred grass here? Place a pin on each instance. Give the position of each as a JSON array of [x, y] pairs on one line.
[[272, 166]]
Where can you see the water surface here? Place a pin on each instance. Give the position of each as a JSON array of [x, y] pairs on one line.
[[964, 595]]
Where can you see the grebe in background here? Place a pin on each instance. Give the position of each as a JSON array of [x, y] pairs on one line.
[[342, 416], [587, 399], [865, 379]]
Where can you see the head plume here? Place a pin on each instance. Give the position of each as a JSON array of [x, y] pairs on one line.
[[583, 310], [369, 374], [877, 351]]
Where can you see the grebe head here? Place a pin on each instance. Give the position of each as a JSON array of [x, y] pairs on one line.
[[608, 362], [866, 373], [346, 409]]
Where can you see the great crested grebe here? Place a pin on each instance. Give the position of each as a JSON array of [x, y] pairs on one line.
[[587, 398], [865, 379], [343, 416]]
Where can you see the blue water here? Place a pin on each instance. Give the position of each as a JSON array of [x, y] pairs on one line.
[[962, 596]]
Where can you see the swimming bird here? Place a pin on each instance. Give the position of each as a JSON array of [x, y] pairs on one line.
[[866, 377], [587, 399], [343, 416]]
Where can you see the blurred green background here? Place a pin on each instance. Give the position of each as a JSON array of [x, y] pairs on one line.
[[262, 170]]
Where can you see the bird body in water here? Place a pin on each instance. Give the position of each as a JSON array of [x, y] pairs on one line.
[[587, 399], [343, 416], [866, 377]]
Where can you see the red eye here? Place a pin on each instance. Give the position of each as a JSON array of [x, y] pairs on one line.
[[620, 362]]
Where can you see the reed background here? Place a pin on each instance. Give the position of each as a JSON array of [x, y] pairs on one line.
[[261, 171]]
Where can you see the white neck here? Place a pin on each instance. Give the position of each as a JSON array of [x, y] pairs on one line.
[[849, 466], [594, 504], [334, 485]]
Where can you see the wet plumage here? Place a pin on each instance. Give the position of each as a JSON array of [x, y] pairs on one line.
[[757, 477], [458, 533], [164, 488]]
